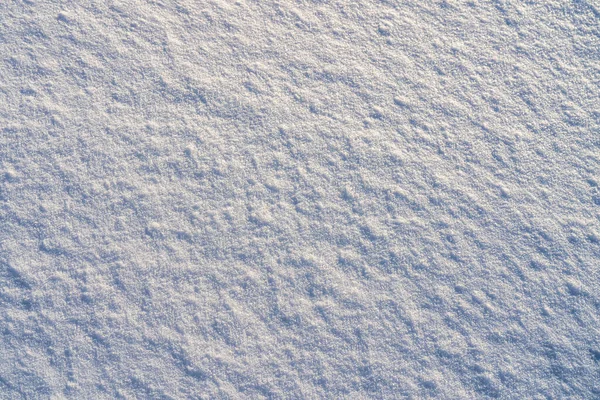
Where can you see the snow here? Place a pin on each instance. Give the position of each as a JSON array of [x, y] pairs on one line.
[[299, 199]]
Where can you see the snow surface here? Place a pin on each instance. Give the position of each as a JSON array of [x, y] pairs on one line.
[[299, 199]]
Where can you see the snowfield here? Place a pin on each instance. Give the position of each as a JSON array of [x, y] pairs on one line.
[[299, 199]]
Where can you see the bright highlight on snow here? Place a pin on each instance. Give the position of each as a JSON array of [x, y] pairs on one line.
[[299, 199]]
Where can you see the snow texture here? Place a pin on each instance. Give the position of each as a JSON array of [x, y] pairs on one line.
[[292, 199]]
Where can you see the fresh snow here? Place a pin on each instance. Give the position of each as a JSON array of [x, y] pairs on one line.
[[299, 199]]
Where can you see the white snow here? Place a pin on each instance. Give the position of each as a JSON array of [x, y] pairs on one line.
[[299, 199]]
